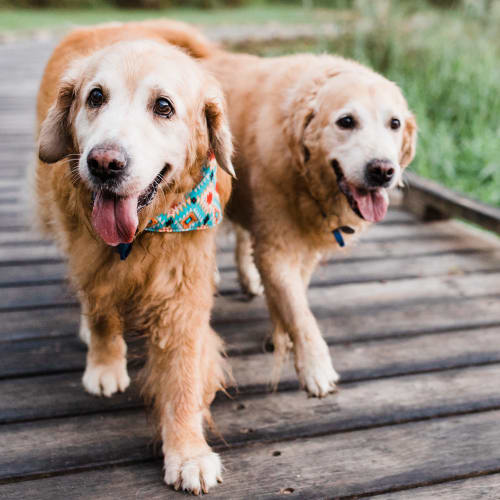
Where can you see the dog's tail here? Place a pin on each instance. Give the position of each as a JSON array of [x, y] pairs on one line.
[[182, 35]]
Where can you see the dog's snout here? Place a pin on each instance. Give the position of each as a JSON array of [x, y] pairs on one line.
[[379, 173], [107, 162]]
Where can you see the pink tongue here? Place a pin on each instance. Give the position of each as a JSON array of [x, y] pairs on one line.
[[372, 204], [115, 219]]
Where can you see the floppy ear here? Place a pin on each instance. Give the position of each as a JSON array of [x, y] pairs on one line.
[[299, 111], [303, 122], [409, 142], [219, 133], [55, 140]]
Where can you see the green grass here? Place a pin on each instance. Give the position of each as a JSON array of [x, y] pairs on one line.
[[28, 19]]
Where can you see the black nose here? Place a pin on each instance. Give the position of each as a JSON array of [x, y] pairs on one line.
[[107, 162], [379, 173]]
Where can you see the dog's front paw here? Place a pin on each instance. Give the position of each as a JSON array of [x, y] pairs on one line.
[[316, 374], [194, 474], [105, 380]]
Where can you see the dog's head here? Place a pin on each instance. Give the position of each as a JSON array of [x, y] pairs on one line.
[[355, 134], [134, 117]]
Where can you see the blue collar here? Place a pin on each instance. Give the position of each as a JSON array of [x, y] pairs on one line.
[[337, 233]]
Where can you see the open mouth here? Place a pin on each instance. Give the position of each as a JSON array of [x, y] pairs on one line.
[[115, 218], [368, 204]]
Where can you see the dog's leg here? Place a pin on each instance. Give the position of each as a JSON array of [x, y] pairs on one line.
[[282, 345], [248, 273], [84, 331], [106, 370], [183, 371], [285, 280]]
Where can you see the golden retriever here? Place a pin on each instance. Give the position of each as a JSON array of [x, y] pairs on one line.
[[126, 122], [319, 140]]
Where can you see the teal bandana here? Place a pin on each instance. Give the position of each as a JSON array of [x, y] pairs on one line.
[[200, 209]]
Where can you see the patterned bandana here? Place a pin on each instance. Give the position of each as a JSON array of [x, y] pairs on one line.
[[200, 209]]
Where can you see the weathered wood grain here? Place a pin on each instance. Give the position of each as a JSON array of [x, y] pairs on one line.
[[40, 323], [379, 241], [338, 272], [359, 323], [354, 361], [334, 466], [394, 399], [22, 298], [265, 417], [431, 200], [349, 297], [332, 297], [335, 272], [365, 250], [474, 488], [41, 274]]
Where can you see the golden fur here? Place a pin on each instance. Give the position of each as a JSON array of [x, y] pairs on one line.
[[165, 287], [287, 199]]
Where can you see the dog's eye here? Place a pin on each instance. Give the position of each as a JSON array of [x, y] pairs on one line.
[[96, 98], [346, 122], [395, 124], [163, 107]]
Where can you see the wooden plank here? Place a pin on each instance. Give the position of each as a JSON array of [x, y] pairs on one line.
[[474, 488], [391, 401], [338, 465], [397, 399], [89, 440], [41, 323], [9, 203], [13, 174], [12, 208], [345, 295], [42, 356], [42, 274], [388, 357], [7, 184], [28, 255], [384, 240], [335, 272], [354, 361], [397, 229], [16, 146], [349, 297], [365, 250], [338, 272], [377, 322], [432, 201], [40, 296], [6, 200], [249, 334]]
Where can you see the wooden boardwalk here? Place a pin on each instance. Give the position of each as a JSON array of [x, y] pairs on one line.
[[412, 316]]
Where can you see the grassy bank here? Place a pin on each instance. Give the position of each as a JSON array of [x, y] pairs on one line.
[[28, 19]]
